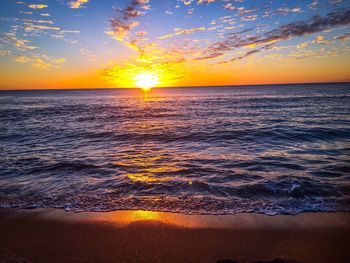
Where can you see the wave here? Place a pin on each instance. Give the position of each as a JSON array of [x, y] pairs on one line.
[[202, 205]]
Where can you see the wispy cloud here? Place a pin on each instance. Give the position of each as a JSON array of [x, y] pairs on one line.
[[24, 31], [182, 32], [343, 37], [40, 61], [284, 32], [11, 38]]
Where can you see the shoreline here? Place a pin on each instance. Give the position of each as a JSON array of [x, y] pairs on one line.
[[54, 235]]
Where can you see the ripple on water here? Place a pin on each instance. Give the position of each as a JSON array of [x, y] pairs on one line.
[[271, 149]]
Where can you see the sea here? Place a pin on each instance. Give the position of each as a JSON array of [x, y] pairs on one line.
[[271, 149]]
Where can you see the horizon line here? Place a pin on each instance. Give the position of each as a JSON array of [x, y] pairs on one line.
[[194, 86]]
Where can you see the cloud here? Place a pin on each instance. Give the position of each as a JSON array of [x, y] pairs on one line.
[[141, 33], [205, 1], [40, 61], [249, 53], [12, 19], [37, 6], [249, 18], [286, 11], [11, 39], [120, 28], [70, 31], [121, 24], [321, 40], [335, 2], [316, 24], [321, 53], [302, 45], [182, 32], [32, 27], [211, 56], [88, 54], [77, 4], [313, 5], [283, 32], [19, 40], [343, 37]]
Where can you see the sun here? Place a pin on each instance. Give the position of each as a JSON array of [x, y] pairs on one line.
[[146, 80]]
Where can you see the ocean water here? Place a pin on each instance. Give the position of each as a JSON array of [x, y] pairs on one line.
[[281, 149]]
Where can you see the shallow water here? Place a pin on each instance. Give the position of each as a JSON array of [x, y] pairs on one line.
[[216, 150]]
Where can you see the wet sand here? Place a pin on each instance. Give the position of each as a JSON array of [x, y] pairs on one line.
[[50, 235]]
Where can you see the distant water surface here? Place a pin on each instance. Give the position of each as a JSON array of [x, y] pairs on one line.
[[215, 150]]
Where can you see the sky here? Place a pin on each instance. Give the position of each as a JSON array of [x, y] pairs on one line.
[[119, 43]]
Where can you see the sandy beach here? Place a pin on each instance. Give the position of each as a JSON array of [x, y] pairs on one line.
[[50, 235]]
